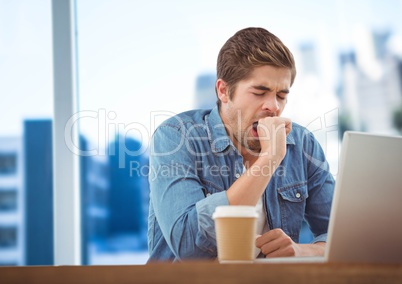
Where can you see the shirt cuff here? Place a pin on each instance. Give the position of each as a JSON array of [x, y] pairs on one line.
[[320, 238]]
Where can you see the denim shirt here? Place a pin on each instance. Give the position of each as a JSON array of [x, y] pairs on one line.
[[192, 164]]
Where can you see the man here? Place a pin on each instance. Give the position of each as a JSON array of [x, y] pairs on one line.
[[240, 153]]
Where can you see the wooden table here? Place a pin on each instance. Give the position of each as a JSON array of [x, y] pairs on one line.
[[205, 272]]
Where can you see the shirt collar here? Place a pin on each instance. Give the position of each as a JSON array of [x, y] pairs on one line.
[[217, 134], [290, 139]]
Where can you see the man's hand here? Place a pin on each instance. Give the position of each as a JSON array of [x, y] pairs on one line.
[[275, 243], [272, 132]]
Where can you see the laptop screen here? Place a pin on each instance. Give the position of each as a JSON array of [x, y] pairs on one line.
[[366, 215]]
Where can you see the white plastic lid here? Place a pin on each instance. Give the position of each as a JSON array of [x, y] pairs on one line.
[[235, 211]]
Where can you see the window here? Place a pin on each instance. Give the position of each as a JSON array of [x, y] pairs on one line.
[[8, 163], [8, 199], [8, 237], [142, 61], [25, 151]]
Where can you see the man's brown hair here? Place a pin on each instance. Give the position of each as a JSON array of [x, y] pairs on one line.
[[250, 48]]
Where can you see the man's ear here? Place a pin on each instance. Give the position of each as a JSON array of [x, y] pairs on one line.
[[222, 90]]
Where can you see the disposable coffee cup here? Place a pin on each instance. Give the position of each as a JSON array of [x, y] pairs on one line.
[[235, 228]]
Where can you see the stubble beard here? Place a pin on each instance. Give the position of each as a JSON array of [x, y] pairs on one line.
[[249, 143], [253, 143]]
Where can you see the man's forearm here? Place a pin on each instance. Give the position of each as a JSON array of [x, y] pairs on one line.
[[248, 189], [316, 249]]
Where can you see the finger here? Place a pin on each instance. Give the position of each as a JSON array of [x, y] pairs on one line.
[[288, 125], [268, 237], [271, 247], [259, 241], [283, 246], [281, 252]]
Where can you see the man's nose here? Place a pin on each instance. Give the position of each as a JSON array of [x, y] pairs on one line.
[[271, 104]]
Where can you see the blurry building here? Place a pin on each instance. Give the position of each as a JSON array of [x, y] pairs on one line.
[[312, 100], [308, 56], [114, 198], [95, 211], [11, 202], [129, 194], [26, 214], [38, 191], [205, 95], [371, 83], [125, 195], [348, 93]]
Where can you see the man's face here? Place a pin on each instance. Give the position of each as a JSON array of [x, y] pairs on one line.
[[264, 93]]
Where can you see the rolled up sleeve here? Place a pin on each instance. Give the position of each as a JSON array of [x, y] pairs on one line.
[[183, 212], [205, 209]]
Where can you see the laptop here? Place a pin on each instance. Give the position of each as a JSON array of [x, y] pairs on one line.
[[366, 215]]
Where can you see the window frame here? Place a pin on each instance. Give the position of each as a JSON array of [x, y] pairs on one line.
[[66, 189]]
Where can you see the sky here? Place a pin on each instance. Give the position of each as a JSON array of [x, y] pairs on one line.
[[138, 60]]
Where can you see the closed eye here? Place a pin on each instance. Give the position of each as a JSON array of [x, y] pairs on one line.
[[258, 94]]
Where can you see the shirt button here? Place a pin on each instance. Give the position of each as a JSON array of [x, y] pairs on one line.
[[237, 175], [298, 195]]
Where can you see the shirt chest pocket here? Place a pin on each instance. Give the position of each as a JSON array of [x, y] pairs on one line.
[[294, 193], [292, 202]]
